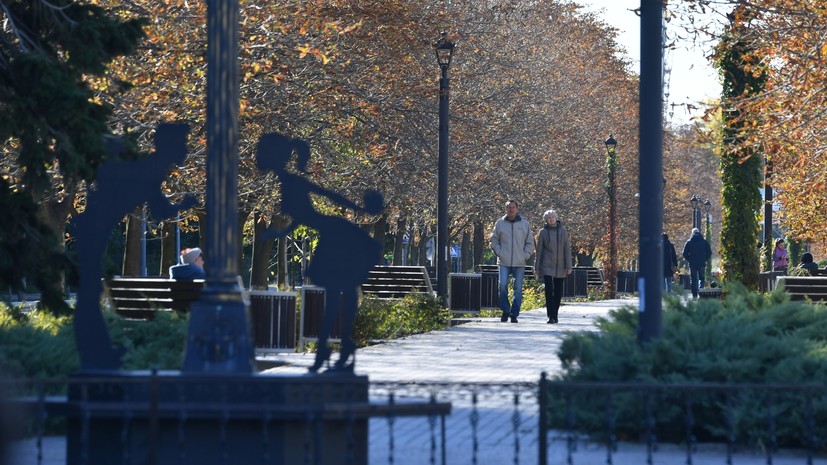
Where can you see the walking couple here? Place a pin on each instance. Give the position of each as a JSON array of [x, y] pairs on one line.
[[513, 244]]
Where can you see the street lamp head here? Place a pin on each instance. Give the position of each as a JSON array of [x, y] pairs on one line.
[[444, 49], [696, 201], [707, 206], [611, 143]]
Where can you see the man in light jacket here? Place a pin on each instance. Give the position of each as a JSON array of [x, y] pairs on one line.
[[513, 244]]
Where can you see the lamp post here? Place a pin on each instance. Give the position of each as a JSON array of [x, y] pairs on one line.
[[707, 236], [707, 207], [218, 339], [611, 166], [768, 247], [696, 207], [444, 49]]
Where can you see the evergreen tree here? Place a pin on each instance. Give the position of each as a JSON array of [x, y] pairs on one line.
[[52, 127], [740, 168]]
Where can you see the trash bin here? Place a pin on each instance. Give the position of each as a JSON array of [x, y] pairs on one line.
[[489, 289], [627, 281], [312, 316], [465, 292], [273, 318]]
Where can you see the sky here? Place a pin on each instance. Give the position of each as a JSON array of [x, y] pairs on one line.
[[691, 79]]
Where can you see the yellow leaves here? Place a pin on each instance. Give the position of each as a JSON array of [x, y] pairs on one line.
[[377, 150], [305, 50]]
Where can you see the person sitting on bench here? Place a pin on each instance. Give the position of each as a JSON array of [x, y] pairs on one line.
[[808, 264], [190, 265]]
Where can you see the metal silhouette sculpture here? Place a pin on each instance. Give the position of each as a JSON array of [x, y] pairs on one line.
[[119, 188], [344, 255]]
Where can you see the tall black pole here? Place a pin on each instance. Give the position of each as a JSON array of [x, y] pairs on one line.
[[651, 169], [219, 338], [611, 270], [442, 202], [768, 247]]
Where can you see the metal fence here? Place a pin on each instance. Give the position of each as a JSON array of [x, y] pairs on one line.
[[488, 423]]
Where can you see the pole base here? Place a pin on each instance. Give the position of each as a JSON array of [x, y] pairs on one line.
[[218, 338]]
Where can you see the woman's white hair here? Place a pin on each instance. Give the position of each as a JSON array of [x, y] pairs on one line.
[[547, 214]]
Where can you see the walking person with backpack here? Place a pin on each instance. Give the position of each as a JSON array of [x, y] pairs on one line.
[[696, 251]]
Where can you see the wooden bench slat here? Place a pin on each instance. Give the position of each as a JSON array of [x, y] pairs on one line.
[[141, 297], [397, 281], [804, 287]]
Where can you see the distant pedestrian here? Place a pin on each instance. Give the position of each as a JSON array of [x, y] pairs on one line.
[[780, 257], [512, 243], [696, 251], [553, 261], [807, 263], [670, 262], [190, 266]]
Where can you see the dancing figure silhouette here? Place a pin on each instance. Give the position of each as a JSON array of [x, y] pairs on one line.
[[119, 188], [344, 255]]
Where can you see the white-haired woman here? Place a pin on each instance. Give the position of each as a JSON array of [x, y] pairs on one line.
[[553, 261]]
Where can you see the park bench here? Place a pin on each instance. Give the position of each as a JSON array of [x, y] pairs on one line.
[[529, 270], [140, 298], [272, 314], [394, 282], [594, 276], [804, 287]]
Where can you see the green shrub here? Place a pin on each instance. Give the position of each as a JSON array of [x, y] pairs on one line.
[[533, 294], [157, 344], [390, 319], [748, 338], [37, 344]]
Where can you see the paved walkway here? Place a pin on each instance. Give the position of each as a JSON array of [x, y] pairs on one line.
[[483, 350]]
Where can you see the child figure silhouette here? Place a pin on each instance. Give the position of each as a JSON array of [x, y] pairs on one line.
[[344, 255], [119, 188]]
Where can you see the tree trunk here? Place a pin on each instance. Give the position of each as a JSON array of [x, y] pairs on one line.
[[397, 243], [169, 252], [465, 250], [55, 215], [423, 245], [479, 242], [242, 218], [279, 223], [262, 249], [413, 249], [202, 232], [379, 230], [132, 248]]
